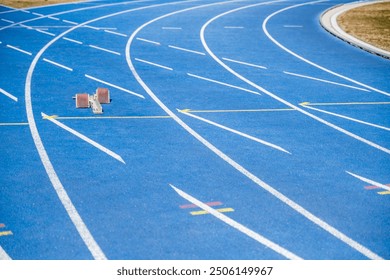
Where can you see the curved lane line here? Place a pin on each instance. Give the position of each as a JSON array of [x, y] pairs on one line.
[[175, 117], [220, 62], [84, 232], [327, 227], [306, 60], [360, 248]]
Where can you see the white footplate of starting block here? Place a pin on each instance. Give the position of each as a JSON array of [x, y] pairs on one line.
[[94, 101], [95, 104]]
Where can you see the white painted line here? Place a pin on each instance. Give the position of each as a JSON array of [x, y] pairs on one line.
[[69, 207], [347, 118], [44, 32], [114, 86], [91, 27], [3, 255], [229, 221], [369, 181], [186, 50], [19, 50], [154, 64], [71, 40], [68, 21], [115, 33], [244, 63], [53, 18], [7, 21], [58, 64], [14, 98], [38, 14], [26, 26], [233, 27], [85, 138], [264, 26], [295, 206], [236, 132], [325, 81], [345, 103], [148, 41], [13, 124], [103, 49], [239, 110], [171, 28], [222, 83]]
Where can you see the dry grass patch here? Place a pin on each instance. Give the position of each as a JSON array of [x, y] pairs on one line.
[[369, 23], [31, 3]]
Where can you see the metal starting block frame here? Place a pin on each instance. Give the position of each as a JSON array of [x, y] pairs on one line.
[[84, 100]]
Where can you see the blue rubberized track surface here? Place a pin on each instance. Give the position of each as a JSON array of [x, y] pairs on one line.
[[237, 130]]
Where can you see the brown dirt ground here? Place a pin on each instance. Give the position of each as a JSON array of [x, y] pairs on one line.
[[369, 23]]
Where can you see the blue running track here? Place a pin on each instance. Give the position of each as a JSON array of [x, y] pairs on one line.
[[236, 130]]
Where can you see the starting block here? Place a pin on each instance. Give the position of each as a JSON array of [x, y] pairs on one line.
[[84, 100]]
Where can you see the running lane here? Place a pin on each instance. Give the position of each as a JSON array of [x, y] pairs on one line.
[[214, 104]]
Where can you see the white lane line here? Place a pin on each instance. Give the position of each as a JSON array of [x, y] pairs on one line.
[[7, 20], [26, 26], [235, 132], [91, 27], [13, 124], [347, 118], [171, 28], [71, 210], [58, 64], [44, 32], [114, 86], [222, 83], [324, 81], [71, 22], [154, 64], [369, 181], [274, 96], [73, 41], [85, 138], [14, 98], [239, 110], [295, 206], [148, 41], [244, 63], [115, 33], [346, 103], [233, 27], [18, 49], [186, 50], [105, 50], [3, 255], [229, 221], [38, 14], [53, 18], [265, 22]]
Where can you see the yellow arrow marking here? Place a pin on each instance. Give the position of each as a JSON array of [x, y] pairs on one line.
[[203, 212], [50, 117], [4, 233], [384, 192]]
